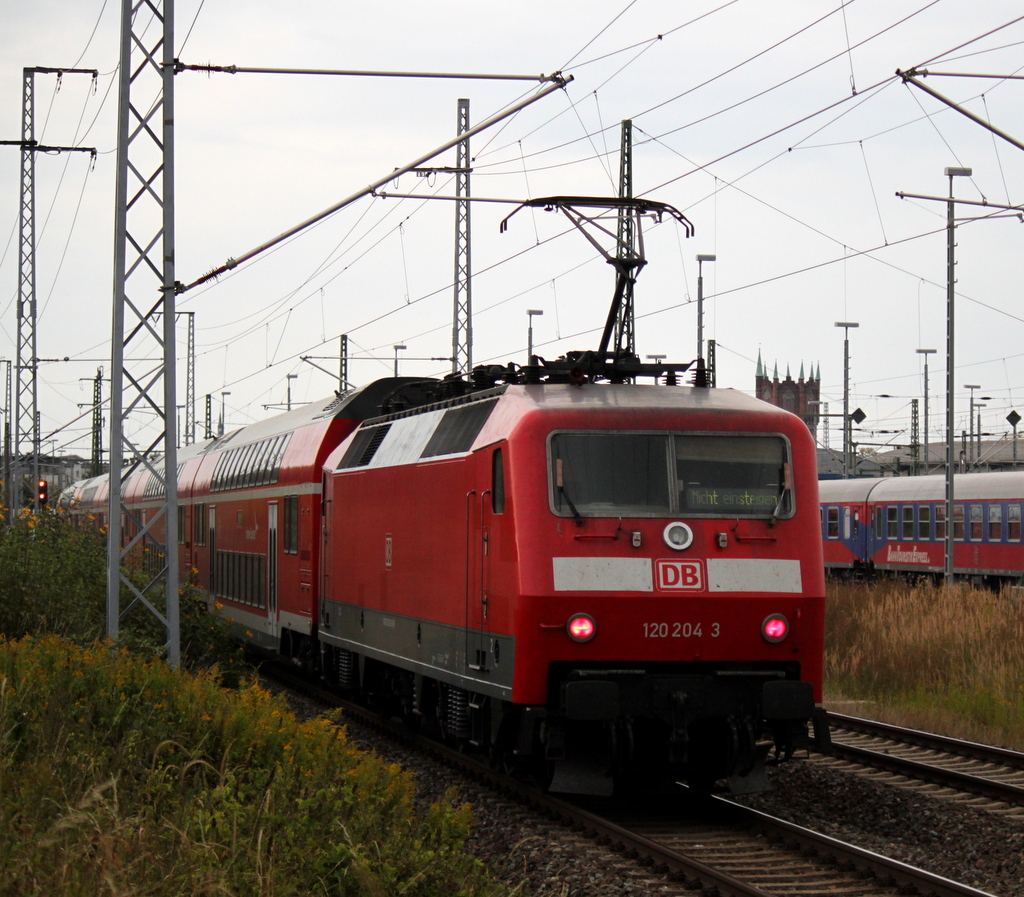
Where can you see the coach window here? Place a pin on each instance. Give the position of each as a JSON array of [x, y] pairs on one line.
[[291, 524], [892, 522], [924, 522], [833, 523], [940, 523], [995, 523], [879, 529], [181, 525], [958, 522], [977, 523], [908, 523], [497, 483], [1013, 523]]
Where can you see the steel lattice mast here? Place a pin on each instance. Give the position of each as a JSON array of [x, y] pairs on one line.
[[625, 337], [97, 424], [26, 398], [142, 395], [190, 380], [462, 320], [26, 401]]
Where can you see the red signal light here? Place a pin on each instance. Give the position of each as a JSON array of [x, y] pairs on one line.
[[775, 628], [42, 491], [581, 627]]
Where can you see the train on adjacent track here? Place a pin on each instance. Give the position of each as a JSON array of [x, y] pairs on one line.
[[896, 526], [601, 579]]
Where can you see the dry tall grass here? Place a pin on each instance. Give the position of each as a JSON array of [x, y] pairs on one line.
[[946, 660]]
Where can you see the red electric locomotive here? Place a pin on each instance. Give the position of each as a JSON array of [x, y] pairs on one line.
[[611, 577], [570, 570]]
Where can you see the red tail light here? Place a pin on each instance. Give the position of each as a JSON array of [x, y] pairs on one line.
[[581, 627], [775, 628]]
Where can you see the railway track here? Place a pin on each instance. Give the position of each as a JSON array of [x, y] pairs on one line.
[[682, 844], [984, 776]]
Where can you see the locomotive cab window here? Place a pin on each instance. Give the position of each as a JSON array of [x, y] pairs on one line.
[[614, 474]]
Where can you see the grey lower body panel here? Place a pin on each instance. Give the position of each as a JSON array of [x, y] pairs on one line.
[[473, 659]]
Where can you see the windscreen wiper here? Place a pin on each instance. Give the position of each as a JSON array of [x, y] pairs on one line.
[[786, 485], [560, 482]]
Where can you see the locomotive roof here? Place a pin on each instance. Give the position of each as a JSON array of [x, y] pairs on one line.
[[966, 487], [619, 396], [458, 426]]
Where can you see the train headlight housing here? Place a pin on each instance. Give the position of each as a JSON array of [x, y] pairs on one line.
[[581, 627], [677, 535], [775, 628]]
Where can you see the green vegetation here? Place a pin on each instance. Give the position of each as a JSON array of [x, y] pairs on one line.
[[121, 776], [946, 660]]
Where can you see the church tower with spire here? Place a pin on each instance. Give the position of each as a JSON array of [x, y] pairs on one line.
[[800, 396]]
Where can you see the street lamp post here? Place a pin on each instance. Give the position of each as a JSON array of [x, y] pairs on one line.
[[656, 359], [397, 350], [970, 423], [846, 325], [950, 373], [700, 300], [223, 396], [530, 312], [927, 456], [1013, 418], [977, 433], [289, 378]]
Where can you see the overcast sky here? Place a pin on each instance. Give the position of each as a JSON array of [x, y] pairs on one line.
[[778, 128]]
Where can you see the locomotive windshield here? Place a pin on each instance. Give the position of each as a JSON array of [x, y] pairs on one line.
[[616, 474]]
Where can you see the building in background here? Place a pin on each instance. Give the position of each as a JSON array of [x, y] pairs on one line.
[[800, 396]]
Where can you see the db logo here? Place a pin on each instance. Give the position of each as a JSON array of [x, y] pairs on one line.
[[676, 575]]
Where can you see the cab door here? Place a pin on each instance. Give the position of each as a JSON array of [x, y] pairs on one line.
[[483, 509]]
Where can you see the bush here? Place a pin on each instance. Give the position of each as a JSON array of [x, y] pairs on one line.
[[121, 776], [53, 580]]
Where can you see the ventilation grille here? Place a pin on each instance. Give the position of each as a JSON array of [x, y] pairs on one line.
[[458, 429], [364, 446]]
